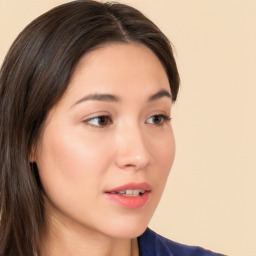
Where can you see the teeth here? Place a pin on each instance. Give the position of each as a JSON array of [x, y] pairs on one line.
[[121, 192], [130, 192]]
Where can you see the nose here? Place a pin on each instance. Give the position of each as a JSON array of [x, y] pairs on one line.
[[132, 149]]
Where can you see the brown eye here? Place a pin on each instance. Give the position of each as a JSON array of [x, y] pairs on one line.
[[158, 119], [103, 120], [99, 121]]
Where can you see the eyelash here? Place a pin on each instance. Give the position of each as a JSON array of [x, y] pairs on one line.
[[163, 119]]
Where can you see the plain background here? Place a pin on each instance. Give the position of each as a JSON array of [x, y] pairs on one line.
[[210, 198]]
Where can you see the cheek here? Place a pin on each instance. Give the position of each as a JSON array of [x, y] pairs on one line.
[[71, 162], [74, 149], [164, 153], [168, 152]]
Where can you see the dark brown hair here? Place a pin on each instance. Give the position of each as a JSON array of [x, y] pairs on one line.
[[34, 76]]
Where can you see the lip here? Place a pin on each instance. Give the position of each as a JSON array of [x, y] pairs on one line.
[[130, 202]]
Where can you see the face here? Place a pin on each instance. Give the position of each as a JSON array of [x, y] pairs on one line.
[[107, 147]]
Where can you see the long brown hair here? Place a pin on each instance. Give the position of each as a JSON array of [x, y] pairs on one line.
[[34, 76]]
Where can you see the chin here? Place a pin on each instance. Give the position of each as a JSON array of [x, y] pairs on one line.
[[127, 228], [127, 233]]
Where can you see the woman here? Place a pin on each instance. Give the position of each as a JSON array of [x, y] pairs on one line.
[[86, 140]]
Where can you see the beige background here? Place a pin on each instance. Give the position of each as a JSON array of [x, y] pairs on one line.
[[210, 196]]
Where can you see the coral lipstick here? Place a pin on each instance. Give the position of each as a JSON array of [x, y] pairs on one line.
[[131, 196]]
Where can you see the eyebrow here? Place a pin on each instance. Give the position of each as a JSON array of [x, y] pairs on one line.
[[161, 94], [113, 98], [99, 97]]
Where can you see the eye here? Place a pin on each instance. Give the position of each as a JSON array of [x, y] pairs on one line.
[[158, 119], [99, 121]]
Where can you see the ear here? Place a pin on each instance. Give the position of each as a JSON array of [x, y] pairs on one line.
[[31, 159], [32, 156]]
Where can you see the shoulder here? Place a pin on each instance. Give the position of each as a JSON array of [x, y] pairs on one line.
[[152, 244]]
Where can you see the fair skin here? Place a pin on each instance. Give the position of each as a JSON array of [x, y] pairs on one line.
[[92, 144]]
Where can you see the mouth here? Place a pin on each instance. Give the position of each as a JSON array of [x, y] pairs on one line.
[[130, 192], [131, 196]]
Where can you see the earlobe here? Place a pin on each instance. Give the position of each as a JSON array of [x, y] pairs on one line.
[[32, 159], [31, 156]]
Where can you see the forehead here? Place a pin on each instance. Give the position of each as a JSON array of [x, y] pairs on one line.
[[120, 69]]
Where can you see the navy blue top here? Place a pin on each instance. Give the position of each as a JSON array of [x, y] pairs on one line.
[[152, 244]]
